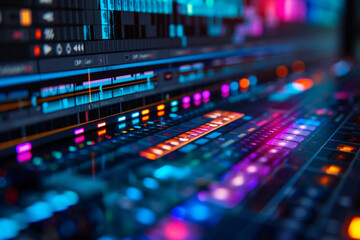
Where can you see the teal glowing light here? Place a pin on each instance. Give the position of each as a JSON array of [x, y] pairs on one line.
[[150, 183], [122, 118], [59, 202], [252, 80], [134, 194], [174, 103], [199, 212], [9, 228], [38, 211], [72, 197], [189, 9], [170, 172], [234, 86], [145, 216]]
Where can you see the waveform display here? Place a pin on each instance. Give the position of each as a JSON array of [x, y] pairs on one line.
[[99, 85]]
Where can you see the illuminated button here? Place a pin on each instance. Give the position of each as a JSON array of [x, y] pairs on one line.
[[251, 169], [193, 133], [213, 135], [101, 132], [332, 169], [197, 131], [226, 197], [212, 116], [157, 151], [221, 193], [212, 125], [188, 148], [201, 141], [346, 148], [175, 143], [37, 51], [238, 180], [297, 131], [354, 228], [282, 143], [146, 111], [184, 139], [311, 122], [203, 128], [273, 150], [303, 127], [325, 180], [244, 83], [148, 155], [241, 135], [25, 17], [166, 147], [38, 33], [290, 137], [160, 107], [259, 124]]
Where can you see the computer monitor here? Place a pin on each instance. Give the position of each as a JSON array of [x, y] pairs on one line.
[[65, 64]]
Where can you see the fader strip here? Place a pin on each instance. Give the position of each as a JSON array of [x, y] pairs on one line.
[[220, 119]]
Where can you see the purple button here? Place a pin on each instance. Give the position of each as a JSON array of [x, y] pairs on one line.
[[282, 143], [289, 137], [296, 131], [303, 127], [225, 196]]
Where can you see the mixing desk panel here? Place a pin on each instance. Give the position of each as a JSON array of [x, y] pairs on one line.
[[177, 120], [187, 170]]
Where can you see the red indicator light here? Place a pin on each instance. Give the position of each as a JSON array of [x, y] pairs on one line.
[[38, 34], [37, 51], [17, 35], [298, 67], [282, 71]]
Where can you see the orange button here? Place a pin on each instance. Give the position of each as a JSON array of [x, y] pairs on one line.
[[332, 169], [345, 148], [354, 228], [160, 107]]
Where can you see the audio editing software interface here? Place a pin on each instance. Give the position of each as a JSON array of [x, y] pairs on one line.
[[177, 119]]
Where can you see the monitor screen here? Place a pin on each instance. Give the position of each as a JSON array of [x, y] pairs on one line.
[[68, 66]]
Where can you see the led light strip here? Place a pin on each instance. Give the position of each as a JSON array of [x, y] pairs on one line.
[[220, 119]]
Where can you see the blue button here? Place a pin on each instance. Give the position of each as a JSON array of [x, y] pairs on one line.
[[213, 135], [247, 117], [188, 148], [201, 141]]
